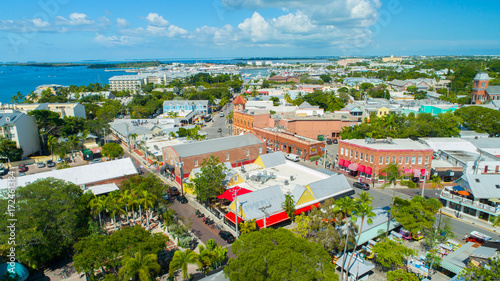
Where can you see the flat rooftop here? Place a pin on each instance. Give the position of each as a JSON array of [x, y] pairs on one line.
[[301, 176], [395, 144]]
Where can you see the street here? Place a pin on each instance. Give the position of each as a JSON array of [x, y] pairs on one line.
[[219, 122]]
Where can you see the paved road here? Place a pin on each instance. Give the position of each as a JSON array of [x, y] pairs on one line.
[[219, 122]]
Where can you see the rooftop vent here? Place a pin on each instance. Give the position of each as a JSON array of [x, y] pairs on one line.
[[477, 180]]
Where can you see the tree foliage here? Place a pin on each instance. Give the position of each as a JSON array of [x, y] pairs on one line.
[[112, 150], [480, 119], [51, 215], [9, 150], [289, 206], [260, 256], [487, 272], [390, 253], [401, 275], [417, 213], [209, 183]]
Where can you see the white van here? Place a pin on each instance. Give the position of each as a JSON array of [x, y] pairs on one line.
[[292, 157], [222, 114]]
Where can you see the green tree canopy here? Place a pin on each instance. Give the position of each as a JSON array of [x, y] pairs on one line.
[[417, 213], [401, 275], [480, 119], [51, 215], [112, 150], [9, 150], [391, 254], [260, 256], [209, 183], [491, 272]]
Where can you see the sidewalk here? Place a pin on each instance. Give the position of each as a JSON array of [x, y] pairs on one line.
[[470, 220]]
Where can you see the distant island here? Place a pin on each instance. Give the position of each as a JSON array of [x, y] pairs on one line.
[[139, 64]]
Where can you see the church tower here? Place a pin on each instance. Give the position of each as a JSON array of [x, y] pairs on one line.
[[481, 82]]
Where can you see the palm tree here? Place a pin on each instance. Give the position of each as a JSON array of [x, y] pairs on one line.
[[97, 205], [84, 135], [148, 200], [139, 267], [73, 141], [131, 136], [247, 226], [205, 258], [126, 197], [363, 211], [51, 141], [289, 206], [181, 261], [114, 206], [436, 182], [346, 206], [365, 198], [393, 175]]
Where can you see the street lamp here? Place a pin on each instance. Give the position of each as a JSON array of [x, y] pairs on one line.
[[236, 207], [425, 177], [263, 209], [180, 164]]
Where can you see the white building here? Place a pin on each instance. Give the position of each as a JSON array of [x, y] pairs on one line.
[[21, 128], [63, 109], [126, 83]]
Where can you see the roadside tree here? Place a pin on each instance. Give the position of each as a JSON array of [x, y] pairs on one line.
[[112, 150], [391, 254], [209, 183]]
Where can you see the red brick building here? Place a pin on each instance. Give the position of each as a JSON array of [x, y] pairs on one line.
[[481, 83], [366, 158], [282, 79], [279, 140], [238, 150]]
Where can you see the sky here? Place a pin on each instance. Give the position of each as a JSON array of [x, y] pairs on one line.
[[75, 30]]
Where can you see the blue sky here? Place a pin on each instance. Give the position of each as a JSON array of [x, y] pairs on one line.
[[73, 30]]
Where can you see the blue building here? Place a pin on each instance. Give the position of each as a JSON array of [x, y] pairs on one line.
[[184, 107]]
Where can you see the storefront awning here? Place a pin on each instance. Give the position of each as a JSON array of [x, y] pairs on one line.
[[229, 193], [361, 168], [416, 173], [423, 172], [273, 219], [368, 170], [341, 162], [347, 163], [495, 200], [407, 171], [464, 193], [232, 218], [458, 188], [353, 167], [305, 209]]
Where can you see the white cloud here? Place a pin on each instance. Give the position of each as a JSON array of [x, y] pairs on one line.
[[122, 23], [156, 20], [112, 41], [38, 22], [74, 19]]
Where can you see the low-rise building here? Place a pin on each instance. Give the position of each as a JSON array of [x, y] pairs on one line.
[[74, 109], [21, 128], [365, 158], [131, 83], [238, 150], [392, 58], [184, 107]]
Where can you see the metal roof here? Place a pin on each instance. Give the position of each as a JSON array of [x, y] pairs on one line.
[[493, 90], [81, 175], [10, 118], [455, 261], [483, 76], [103, 188], [297, 192], [483, 252], [481, 186], [335, 185], [215, 145], [251, 202], [273, 159], [359, 267]]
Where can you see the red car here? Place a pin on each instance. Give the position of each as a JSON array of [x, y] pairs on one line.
[[22, 168]]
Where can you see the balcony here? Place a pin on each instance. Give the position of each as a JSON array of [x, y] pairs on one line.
[[467, 202]]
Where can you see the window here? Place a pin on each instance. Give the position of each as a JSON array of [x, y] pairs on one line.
[[366, 157], [341, 151], [350, 153], [407, 159], [227, 156], [420, 160], [248, 153], [394, 159], [413, 158], [356, 155], [426, 159], [483, 84], [235, 178], [260, 150], [361, 156], [371, 158], [381, 160], [196, 162], [497, 186], [400, 159], [387, 160]]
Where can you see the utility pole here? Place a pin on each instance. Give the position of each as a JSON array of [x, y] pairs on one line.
[[324, 158], [263, 209], [180, 164], [104, 130], [236, 206], [425, 177]]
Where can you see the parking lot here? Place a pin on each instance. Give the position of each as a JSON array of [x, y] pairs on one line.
[[34, 169]]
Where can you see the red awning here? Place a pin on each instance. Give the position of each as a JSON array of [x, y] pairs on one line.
[[273, 219], [305, 209], [361, 168], [368, 170], [229, 193], [341, 162], [347, 163], [353, 167], [407, 171], [232, 217], [423, 172], [416, 173]]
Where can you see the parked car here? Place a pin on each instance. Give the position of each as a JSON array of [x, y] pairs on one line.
[[40, 165], [329, 141], [219, 130], [98, 160], [165, 197], [3, 169], [22, 168], [335, 141], [226, 236], [59, 161], [222, 114], [50, 163], [362, 185], [173, 191], [292, 157], [182, 199]]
